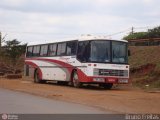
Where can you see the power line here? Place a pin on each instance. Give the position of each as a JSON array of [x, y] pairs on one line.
[[132, 30], [146, 27], [118, 32]]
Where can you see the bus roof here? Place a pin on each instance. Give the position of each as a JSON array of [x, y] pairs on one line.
[[81, 38]]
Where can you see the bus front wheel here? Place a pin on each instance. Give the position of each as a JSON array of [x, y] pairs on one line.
[[76, 82]]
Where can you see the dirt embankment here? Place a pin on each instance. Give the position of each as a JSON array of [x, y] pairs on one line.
[[145, 66], [142, 55], [122, 99]]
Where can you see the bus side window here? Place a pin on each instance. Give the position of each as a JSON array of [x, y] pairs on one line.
[[52, 49], [36, 50], [61, 49], [71, 48], [43, 51], [29, 51]]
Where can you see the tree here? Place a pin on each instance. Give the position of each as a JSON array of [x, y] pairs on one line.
[[13, 51], [151, 33], [154, 33], [137, 35]]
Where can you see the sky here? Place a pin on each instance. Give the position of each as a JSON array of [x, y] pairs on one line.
[[42, 20]]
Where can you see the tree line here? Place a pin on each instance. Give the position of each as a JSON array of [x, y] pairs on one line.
[[151, 33]]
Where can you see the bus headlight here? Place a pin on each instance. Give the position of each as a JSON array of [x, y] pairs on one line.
[[99, 79]]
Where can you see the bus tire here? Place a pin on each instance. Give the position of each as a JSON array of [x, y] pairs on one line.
[[36, 77], [76, 82], [106, 86]]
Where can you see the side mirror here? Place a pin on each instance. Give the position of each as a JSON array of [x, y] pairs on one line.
[[129, 53]]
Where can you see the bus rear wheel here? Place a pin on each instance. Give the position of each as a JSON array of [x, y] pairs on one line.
[[76, 82], [36, 78]]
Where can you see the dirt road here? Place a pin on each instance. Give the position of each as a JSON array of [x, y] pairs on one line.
[[117, 100]]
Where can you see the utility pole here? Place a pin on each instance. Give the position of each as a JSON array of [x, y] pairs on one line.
[[0, 41], [132, 30]]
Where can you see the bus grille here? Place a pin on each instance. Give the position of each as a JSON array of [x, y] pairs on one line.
[[111, 72]]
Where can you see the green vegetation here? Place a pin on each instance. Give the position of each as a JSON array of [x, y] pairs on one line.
[[137, 35], [12, 55], [151, 33]]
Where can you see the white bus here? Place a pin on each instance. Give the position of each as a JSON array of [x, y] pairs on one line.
[[85, 60]]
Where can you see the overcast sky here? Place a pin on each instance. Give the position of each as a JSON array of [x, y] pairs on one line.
[[38, 20]]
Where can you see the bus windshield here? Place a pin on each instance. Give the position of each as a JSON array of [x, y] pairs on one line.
[[119, 52], [102, 51]]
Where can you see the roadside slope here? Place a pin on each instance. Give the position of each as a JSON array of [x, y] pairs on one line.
[[145, 66]]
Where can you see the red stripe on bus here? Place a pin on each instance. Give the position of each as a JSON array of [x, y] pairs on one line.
[[82, 77]]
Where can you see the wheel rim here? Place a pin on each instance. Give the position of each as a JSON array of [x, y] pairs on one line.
[[36, 77], [75, 80]]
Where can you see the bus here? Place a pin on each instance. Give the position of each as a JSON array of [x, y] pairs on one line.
[[79, 61]]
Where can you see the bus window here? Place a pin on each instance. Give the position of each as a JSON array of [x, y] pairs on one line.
[[119, 52], [29, 51], [36, 50], [61, 49], [100, 51], [52, 49], [71, 48], [43, 51], [83, 53]]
